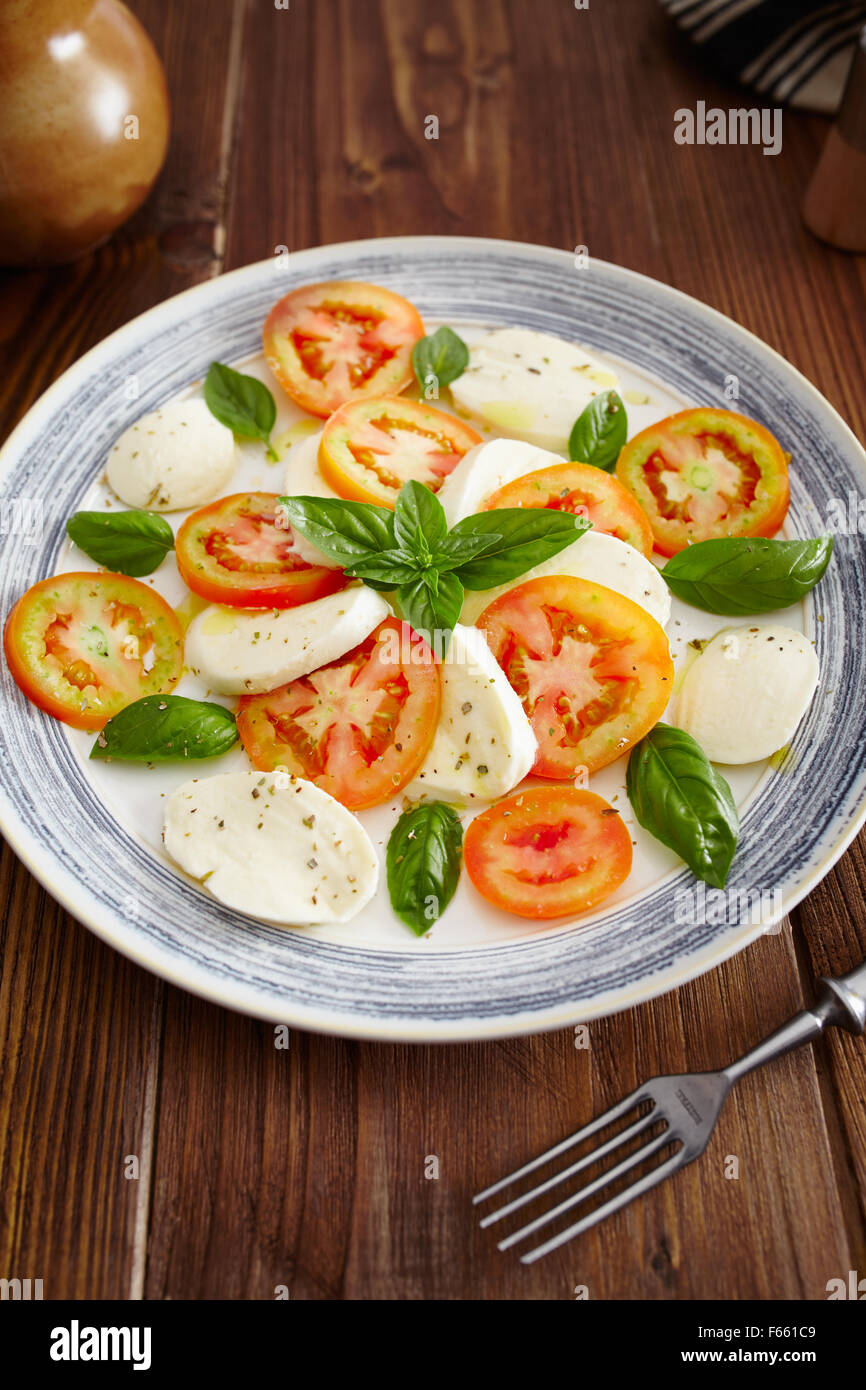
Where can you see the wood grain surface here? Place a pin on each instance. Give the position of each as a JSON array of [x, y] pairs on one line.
[[305, 1168]]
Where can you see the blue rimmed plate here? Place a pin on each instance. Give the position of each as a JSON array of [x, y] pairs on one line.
[[91, 836]]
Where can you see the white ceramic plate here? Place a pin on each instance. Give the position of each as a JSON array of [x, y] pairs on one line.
[[90, 831]]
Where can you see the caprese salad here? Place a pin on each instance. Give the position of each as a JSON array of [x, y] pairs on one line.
[[457, 598]]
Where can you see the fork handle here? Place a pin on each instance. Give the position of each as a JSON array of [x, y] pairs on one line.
[[841, 1004], [844, 999]]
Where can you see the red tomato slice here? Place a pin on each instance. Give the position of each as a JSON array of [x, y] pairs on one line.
[[369, 449], [593, 670], [587, 491], [705, 474], [359, 728], [340, 341], [236, 551], [547, 852], [83, 646]]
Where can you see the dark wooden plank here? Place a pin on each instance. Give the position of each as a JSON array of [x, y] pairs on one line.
[[80, 1025]]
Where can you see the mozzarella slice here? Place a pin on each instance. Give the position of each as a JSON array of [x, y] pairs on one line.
[[303, 479], [177, 457], [484, 744], [530, 385], [243, 651], [744, 696], [486, 468], [604, 559], [273, 846]]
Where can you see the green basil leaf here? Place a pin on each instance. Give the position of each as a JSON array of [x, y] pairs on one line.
[[741, 575], [423, 859], [389, 567], [133, 543], [439, 359], [159, 728], [242, 403], [599, 431], [347, 532], [454, 551], [433, 615], [678, 796], [419, 519], [520, 538]]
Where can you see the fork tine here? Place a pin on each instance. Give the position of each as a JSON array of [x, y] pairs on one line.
[[595, 1186], [628, 1194], [593, 1156], [592, 1128]]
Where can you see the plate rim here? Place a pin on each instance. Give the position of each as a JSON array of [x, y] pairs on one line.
[[99, 918]]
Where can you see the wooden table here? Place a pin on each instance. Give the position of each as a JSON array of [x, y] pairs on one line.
[[305, 1168]]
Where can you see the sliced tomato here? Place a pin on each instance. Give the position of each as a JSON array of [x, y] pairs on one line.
[[369, 449], [83, 646], [340, 341], [593, 670], [360, 727], [586, 491], [238, 551], [547, 852], [705, 474]]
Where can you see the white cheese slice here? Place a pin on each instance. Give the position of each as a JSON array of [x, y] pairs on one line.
[[243, 651], [486, 468], [604, 559], [177, 457], [530, 385], [273, 846], [484, 744], [744, 696]]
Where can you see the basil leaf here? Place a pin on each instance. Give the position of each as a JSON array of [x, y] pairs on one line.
[[243, 403], [133, 543], [442, 356], [423, 859], [743, 575], [520, 538], [419, 519], [678, 796], [454, 551], [432, 613], [599, 431], [389, 567], [347, 532], [158, 728]]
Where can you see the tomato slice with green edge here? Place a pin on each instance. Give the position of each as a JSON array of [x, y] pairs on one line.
[[369, 449], [360, 727], [340, 341], [586, 491], [704, 474], [548, 852], [84, 646], [592, 669], [239, 551]]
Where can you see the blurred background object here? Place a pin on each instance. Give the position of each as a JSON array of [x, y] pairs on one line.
[[792, 52], [84, 122], [835, 202]]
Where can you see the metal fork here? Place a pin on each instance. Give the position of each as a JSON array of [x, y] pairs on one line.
[[686, 1106]]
